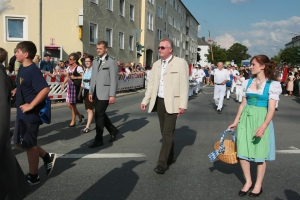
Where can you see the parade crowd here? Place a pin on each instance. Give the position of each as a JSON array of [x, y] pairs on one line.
[[168, 88]]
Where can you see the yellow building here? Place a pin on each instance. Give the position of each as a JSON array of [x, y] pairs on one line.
[[61, 27]]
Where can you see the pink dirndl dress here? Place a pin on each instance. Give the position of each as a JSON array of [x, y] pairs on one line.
[[71, 90]]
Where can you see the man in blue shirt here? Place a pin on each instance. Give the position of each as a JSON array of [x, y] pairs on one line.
[[46, 65]]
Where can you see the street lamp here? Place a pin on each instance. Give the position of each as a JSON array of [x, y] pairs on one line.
[[210, 42]]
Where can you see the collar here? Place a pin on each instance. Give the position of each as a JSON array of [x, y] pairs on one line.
[[168, 60], [104, 57]]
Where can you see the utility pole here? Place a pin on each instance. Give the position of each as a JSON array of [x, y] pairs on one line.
[[211, 49]]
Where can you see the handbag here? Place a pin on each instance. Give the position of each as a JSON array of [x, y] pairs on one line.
[[225, 150], [45, 111]]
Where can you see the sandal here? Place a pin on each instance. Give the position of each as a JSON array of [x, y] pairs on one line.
[[85, 130]]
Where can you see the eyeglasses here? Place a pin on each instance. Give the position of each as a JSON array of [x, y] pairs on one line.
[[71, 59], [162, 47]]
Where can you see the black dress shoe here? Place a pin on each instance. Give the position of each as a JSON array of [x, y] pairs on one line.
[[255, 194], [113, 136], [96, 144], [219, 111], [159, 169], [242, 193]]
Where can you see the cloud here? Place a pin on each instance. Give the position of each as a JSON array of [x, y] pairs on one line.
[[225, 41], [246, 43], [293, 21], [239, 1], [266, 37]]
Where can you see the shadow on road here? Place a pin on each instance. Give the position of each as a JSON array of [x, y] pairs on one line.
[[132, 125], [184, 137], [117, 184], [290, 195], [234, 169]]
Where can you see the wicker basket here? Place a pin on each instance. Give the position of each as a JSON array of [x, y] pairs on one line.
[[229, 156]]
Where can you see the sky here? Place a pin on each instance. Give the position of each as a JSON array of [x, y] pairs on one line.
[[264, 26]]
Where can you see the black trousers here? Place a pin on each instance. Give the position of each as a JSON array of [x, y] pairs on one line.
[[102, 119], [167, 127]]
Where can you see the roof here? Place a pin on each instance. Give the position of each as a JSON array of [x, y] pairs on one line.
[[189, 11], [202, 42]]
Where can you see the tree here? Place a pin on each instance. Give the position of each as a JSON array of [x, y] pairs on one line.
[[290, 56], [276, 58], [219, 54], [237, 52]]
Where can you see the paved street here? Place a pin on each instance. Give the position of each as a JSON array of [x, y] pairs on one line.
[[124, 169]]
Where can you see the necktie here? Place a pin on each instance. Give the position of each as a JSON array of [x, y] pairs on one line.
[[99, 64]]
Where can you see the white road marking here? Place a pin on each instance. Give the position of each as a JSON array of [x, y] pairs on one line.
[[288, 151], [103, 155], [294, 148]]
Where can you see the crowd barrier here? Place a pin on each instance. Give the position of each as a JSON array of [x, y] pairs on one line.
[[133, 81]]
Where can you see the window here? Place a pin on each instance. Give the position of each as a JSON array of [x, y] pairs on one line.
[[170, 19], [160, 12], [121, 40], [93, 33], [131, 43], [109, 37], [16, 28], [166, 7], [149, 21], [159, 34], [131, 12], [171, 2], [122, 8], [94, 1], [109, 5]]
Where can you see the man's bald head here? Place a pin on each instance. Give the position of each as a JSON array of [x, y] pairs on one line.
[[220, 65]]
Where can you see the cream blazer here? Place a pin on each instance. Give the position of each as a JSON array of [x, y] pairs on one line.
[[176, 85]]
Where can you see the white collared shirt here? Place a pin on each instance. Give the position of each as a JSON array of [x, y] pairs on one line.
[[198, 74], [161, 82], [103, 57], [221, 75]]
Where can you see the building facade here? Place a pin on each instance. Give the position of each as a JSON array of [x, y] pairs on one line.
[[202, 50], [63, 27], [168, 19], [294, 43]]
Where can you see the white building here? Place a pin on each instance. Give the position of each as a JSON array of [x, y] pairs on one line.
[[202, 50]]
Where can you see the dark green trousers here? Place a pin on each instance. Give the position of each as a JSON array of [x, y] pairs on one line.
[[167, 127]]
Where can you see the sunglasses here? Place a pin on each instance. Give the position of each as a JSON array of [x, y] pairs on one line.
[[162, 48]]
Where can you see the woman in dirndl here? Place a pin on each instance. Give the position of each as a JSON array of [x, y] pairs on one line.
[[255, 131], [85, 86], [73, 78]]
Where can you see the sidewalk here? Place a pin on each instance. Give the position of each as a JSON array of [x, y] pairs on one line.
[[61, 105]]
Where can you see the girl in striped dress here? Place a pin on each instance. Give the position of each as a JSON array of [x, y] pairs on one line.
[[255, 131]]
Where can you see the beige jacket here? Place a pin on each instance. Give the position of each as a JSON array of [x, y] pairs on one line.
[[176, 85]]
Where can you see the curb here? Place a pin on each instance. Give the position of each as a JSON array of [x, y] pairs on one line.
[[62, 105]]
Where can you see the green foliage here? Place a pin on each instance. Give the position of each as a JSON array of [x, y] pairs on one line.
[[290, 56], [219, 54], [237, 52], [276, 58]]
